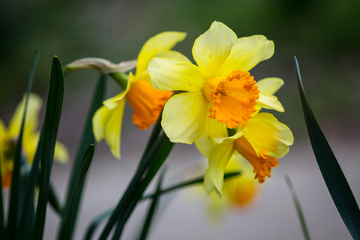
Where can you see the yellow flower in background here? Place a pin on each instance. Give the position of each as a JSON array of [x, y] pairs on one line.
[[240, 193], [8, 138], [146, 101], [261, 143], [220, 84]]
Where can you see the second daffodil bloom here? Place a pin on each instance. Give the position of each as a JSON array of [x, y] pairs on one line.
[[146, 101], [218, 89], [8, 138]]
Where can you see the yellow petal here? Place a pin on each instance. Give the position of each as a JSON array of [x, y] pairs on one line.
[[32, 115], [3, 131], [113, 102], [269, 102], [160, 42], [208, 184], [217, 164], [107, 124], [269, 86], [265, 133], [172, 54], [175, 75], [99, 122], [61, 153], [246, 53], [113, 128], [205, 144], [212, 48], [184, 117]]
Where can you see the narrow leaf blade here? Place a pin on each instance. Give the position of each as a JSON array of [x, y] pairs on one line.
[[298, 208], [330, 169], [14, 201], [86, 140], [51, 125]]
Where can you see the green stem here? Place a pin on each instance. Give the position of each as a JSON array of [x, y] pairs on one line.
[[121, 78]]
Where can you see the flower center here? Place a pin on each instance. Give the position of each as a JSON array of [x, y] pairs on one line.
[[232, 98], [262, 165], [147, 103]]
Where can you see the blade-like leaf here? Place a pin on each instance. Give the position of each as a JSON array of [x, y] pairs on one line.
[[27, 214], [84, 167], [14, 202], [330, 169], [96, 222], [156, 157], [54, 200], [153, 206], [161, 148], [298, 208], [51, 125], [87, 140]]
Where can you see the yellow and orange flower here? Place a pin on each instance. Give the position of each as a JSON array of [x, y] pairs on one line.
[[218, 94], [8, 138], [220, 84], [146, 101]]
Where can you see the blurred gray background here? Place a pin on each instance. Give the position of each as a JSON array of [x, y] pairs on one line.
[[323, 35]]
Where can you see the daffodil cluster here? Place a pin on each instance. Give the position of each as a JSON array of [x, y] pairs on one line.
[[8, 138], [218, 96], [214, 103]]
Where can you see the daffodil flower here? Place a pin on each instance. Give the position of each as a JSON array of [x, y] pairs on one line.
[[8, 138], [261, 143], [146, 101], [218, 89]]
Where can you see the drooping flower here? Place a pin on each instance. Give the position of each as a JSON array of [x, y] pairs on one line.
[[8, 138], [261, 143], [146, 101], [219, 89]]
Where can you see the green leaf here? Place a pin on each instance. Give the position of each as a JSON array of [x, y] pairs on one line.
[[298, 208], [330, 169], [54, 200], [51, 125], [153, 206], [27, 213], [87, 139], [155, 159], [96, 222], [84, 167], [158, 152], [14, 201]]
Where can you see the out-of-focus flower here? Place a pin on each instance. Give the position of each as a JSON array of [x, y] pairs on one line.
[[8, 138], [146, 101], [219, 84], [261, 143], [240, 193]]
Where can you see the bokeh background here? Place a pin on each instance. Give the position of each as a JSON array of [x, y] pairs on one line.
[[324, 36]]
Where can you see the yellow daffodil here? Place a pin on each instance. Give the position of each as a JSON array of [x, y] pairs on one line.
[[8, 138], [220, 84], [146, 101], [261, 143]]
